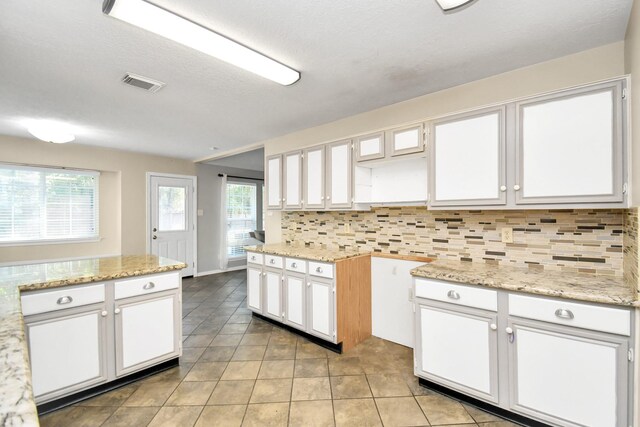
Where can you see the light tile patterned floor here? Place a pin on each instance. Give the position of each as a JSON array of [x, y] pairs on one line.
[[236, 371]]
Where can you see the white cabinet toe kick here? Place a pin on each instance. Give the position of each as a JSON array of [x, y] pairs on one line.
[[555, 361]]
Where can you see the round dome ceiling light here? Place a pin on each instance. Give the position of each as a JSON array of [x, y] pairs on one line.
[[51, 131]]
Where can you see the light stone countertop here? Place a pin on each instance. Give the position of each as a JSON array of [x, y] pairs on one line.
[[582, 287], [17, 406], [315, 254]]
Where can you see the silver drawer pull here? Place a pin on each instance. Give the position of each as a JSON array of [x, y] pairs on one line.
[[453, 294], [564, 314], [273, 261], [253, 258], [294, 265], [149, 285], [64, 300], [319, 270]]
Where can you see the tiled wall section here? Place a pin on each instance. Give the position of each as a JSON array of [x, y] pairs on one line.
[[630, 243], [584, 240]]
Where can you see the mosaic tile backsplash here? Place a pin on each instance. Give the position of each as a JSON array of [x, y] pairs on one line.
[[630, 247], [581, 240]]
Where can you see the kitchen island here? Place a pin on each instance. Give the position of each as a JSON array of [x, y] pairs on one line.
[[114, 276]]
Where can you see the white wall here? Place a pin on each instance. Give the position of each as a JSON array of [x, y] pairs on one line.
[[209, 228], [592, 65]]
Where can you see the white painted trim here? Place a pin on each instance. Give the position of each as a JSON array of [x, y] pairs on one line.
[[230, 153], [45, 261], [194, 212], [207, 273]]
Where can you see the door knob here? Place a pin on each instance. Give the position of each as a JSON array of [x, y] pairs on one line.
[[155, 229], [155, 237]]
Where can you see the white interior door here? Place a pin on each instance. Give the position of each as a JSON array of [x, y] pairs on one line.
[[172, 227]]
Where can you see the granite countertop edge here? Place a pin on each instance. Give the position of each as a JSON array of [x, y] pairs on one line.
[[17, 404]]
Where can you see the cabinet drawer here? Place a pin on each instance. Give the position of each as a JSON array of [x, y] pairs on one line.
[[321, 269], [254, 258], [42, 302], [295, 264], [146, 285], [562, 312], [469, 296], [273, 261]]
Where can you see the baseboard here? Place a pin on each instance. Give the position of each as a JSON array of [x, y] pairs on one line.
[[207, 273], [44, 261]]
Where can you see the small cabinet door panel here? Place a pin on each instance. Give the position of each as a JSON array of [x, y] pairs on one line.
[[295, 296], [314, 174], [145, 332], [339, 173], [370, 147], [254, 289], [274, 182], [322, 310], [67, 353], [468, 159], [273, 295], [567, 377], [569, 147], [293, 180], [458, 349], [406, 140]]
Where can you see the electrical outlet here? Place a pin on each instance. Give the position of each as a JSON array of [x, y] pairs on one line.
[[347, 227], [507, 235]]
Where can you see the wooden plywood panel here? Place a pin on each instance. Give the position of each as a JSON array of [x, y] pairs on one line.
[[353, 300]]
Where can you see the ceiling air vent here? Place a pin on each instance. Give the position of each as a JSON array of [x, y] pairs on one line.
[[143, 82]]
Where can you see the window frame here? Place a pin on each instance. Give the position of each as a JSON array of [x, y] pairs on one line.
[[257, 186], [59, 241]]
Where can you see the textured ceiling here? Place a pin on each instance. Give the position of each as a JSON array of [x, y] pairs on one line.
[[63, 60]]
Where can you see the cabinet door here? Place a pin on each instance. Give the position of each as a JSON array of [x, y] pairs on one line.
[[67, 351], [293, 180], [568, 376], [339, 173], [274, 182], [273, 295], [468, 159], [314, 173], [457, 347], [569, 147], [321, 309], [254, 289], [370, 147], [295, 300], [407, 140], [146, 331]]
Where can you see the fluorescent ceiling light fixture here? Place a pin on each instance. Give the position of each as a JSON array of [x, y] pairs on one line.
[[448, 5], [166, 24], [51, 131]]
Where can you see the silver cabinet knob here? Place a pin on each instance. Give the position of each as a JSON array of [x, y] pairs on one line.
[[148, 286], [319, 270], [453, 294], [493, 327], [294, 265], [104, 313], [564, 314], [516, 187], [503, 188], [116, 311], [272, 261], [64, 300], [253, 258]]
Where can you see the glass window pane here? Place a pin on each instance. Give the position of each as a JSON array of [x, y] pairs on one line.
[[172, 208], [241, 217]]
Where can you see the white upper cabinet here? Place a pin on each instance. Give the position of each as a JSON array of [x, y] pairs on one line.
[[468, 159], [569, 147], [314, 177], [406, 140], [274, 182], [293, 180], [370, 147], [339, 175]]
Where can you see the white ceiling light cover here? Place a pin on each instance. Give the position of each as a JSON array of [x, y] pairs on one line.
[[166, 24], [51, 131], [452, 4]]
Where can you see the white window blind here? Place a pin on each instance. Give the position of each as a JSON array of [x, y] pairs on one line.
[[39, 204], [241, 217]]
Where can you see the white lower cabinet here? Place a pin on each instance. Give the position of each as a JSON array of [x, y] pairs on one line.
[[458, 347], [147, 331], [295, 301], [254, 289], [568, 376], [321, 309], [67, 351], [561, 362], [273, 294]]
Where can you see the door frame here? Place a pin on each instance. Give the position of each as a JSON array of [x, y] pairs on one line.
[[194, 212]]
